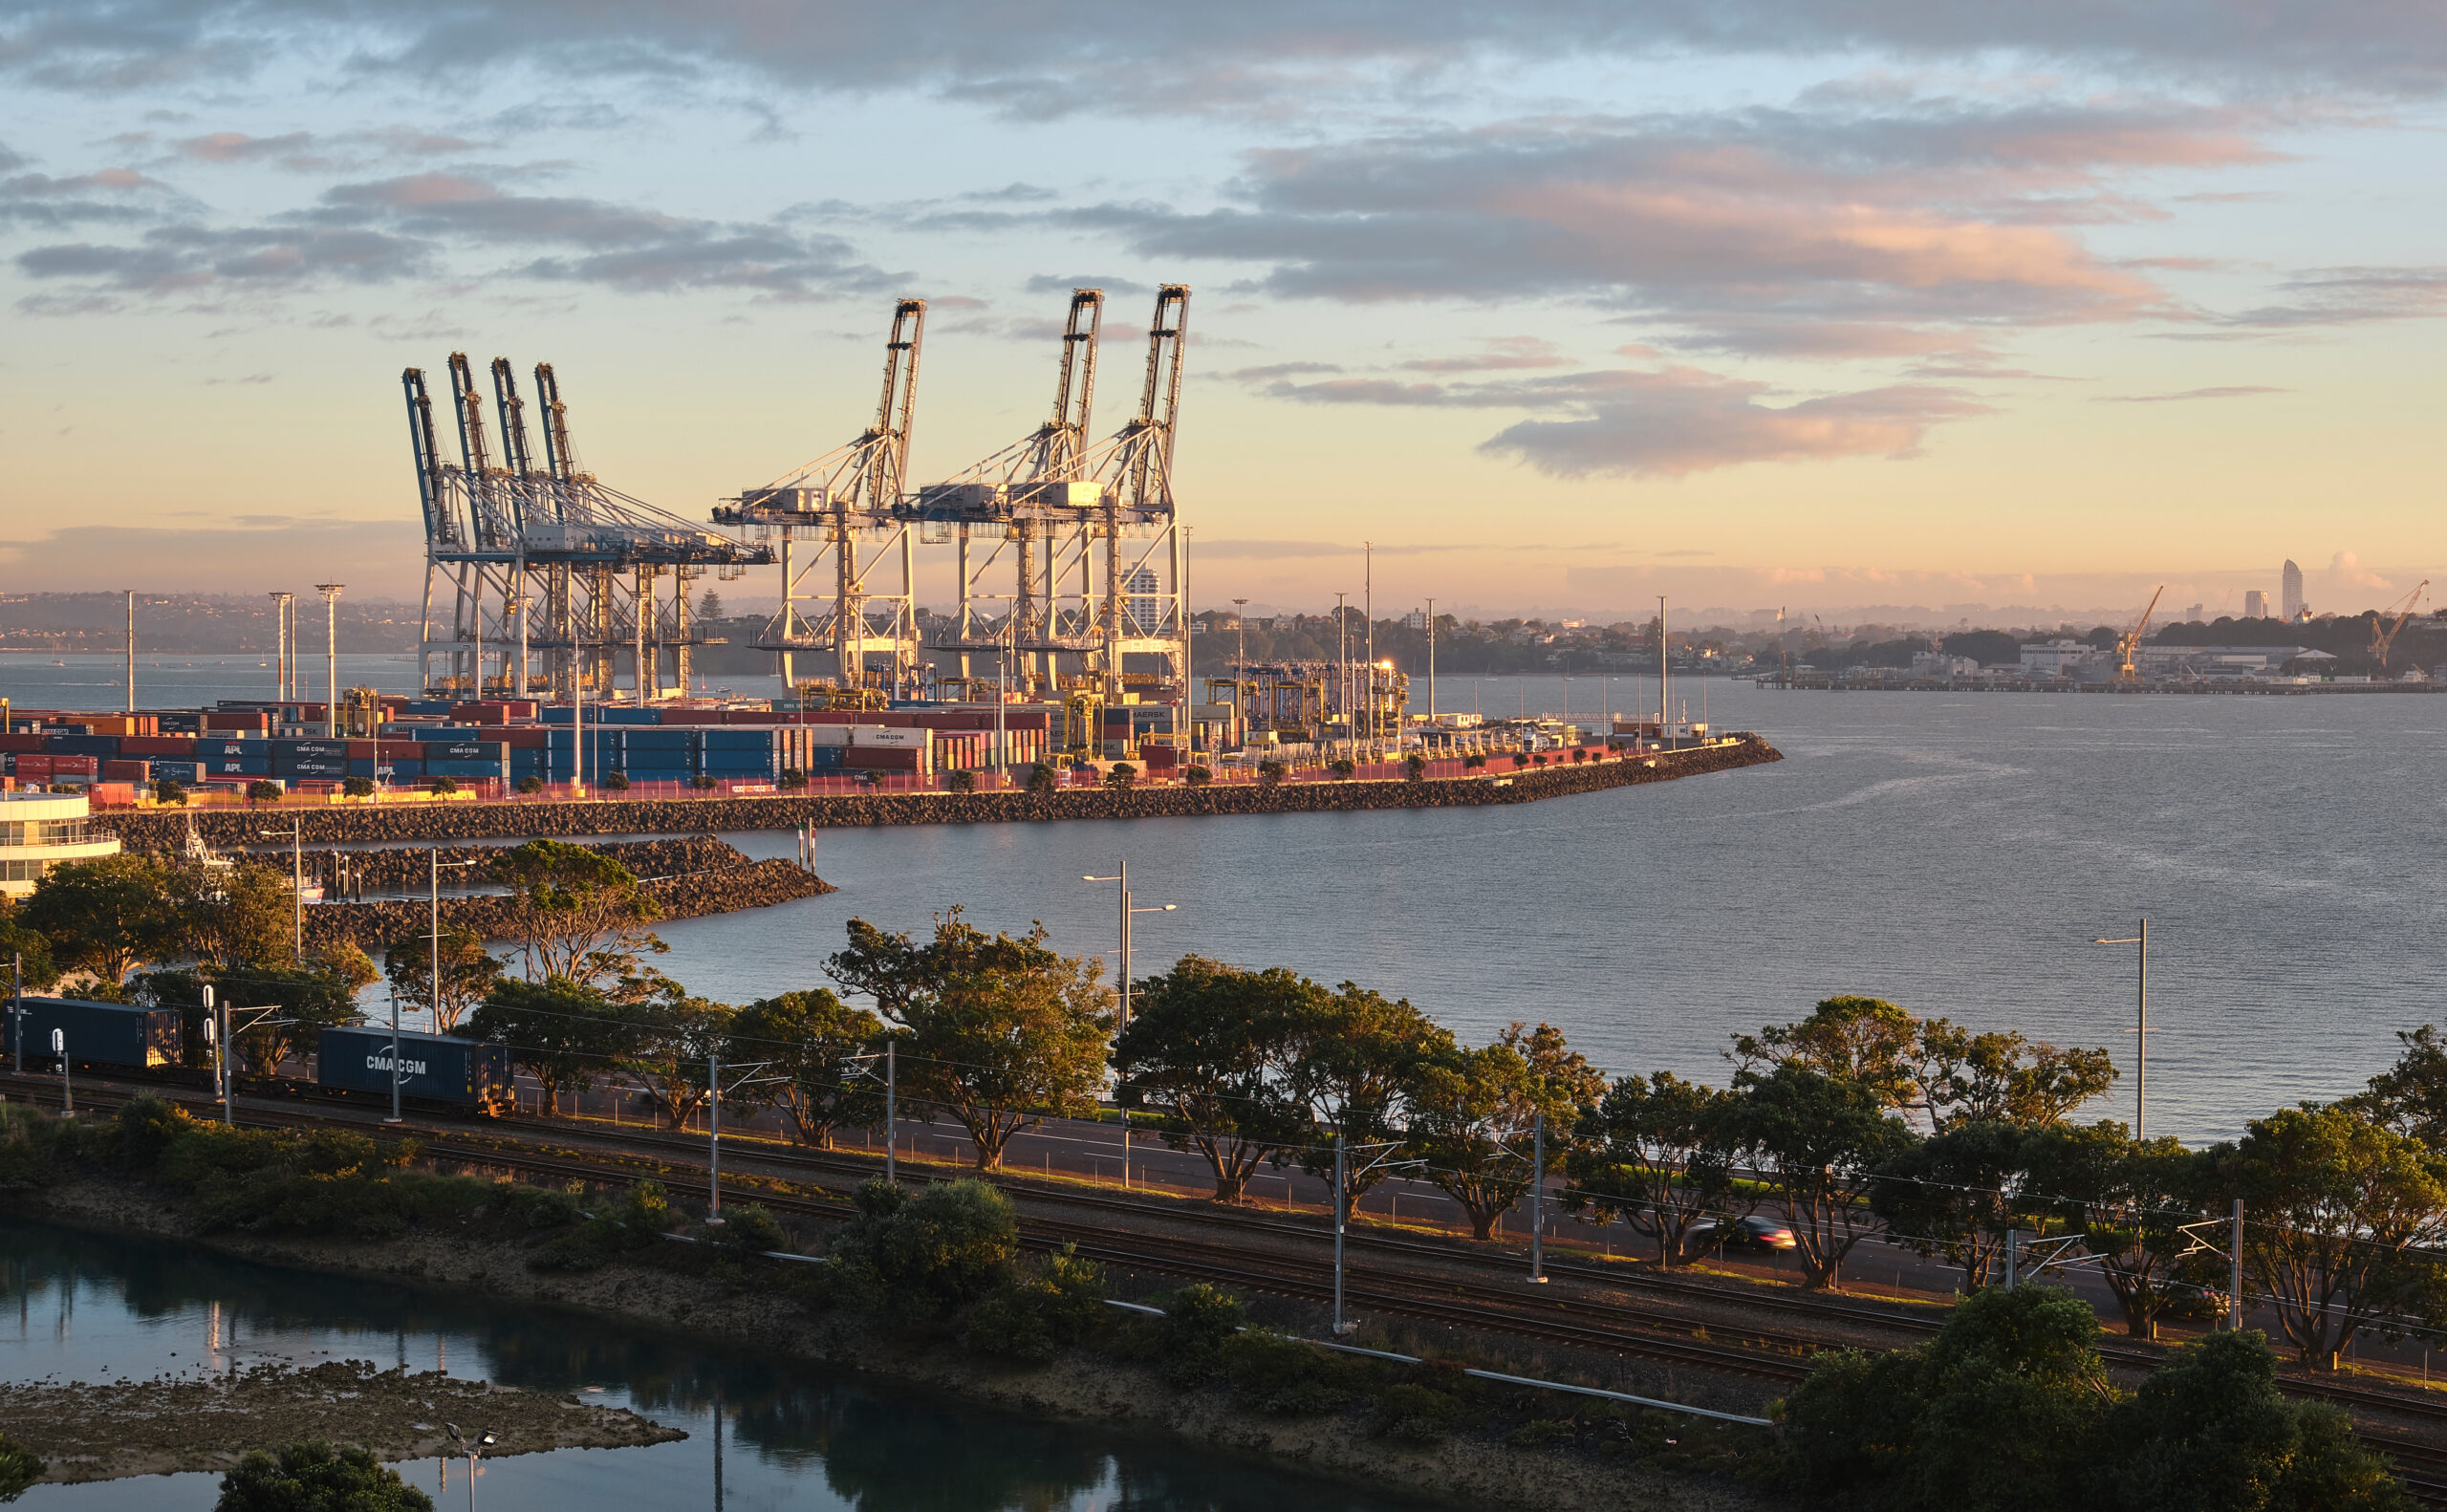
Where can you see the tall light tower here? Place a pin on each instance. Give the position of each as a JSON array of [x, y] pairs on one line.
[[330, 592], [1240, 672], [284, 638], [131, 649]]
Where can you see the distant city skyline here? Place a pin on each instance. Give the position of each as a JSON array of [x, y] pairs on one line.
[[1793, 306]]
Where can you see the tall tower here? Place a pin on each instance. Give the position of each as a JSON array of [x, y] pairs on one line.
[[2293, 597], [2255, 604]]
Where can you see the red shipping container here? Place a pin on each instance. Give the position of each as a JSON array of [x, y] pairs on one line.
[[224, 720], [524, 737], [25, 741], [884, 758], [30, 764], [157, 745], [111, 796], [479, 714], [363, 750], [75, 767], [399, 750], [1159, 758], [127, 771]]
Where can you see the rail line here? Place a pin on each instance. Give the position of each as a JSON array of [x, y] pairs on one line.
[[1781, 1356]]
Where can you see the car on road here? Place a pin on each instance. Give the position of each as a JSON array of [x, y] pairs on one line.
[[1742, 1233]]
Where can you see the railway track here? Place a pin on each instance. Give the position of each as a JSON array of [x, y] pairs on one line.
[[1775, 1355]]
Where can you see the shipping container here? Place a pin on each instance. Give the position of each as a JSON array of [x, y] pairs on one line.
[[238, 766], [445, 768], [216, 746], [329, 768], [126, 772], [158, 745], [432, 1067], [99, 1033], [111, 794], [460, 750], [75, 767], [176, 772], [81, 744]]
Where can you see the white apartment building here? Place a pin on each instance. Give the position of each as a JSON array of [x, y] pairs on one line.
[[40, 830]]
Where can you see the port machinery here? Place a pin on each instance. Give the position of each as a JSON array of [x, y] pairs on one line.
[[1068, 514], [548, 560]]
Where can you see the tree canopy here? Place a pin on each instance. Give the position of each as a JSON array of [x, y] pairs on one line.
[[577, 913], [1210, 1047]]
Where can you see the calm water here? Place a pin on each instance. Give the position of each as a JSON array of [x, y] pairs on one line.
[[763, 1437], [1953, 853]]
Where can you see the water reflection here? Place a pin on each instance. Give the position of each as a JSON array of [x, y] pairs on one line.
[[764, 1434]]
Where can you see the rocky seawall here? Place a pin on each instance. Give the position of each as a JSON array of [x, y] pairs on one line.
[[425, 822]]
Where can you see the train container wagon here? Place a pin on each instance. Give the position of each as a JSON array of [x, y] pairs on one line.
[[433, 1067], [97, 1033]]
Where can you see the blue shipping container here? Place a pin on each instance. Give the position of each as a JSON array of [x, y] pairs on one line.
[[739, 740], [463, 768], [462, 750], [661, 740], [400, 771], [220, 745], [311, 768], [239, 766], [323, 750], [99, 1033], [178, 771], [81, 744], [622, 714], [438, 1068]]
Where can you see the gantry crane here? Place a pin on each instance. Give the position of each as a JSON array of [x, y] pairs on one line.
[[2130, 643], [494, 532], [2381, 641], [848, 493]]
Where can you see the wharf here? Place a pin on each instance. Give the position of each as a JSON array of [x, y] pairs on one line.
[[350, 824], [2228, 687]]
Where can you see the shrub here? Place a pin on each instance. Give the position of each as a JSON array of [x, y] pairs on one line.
[[1286, 1376], [924, 1256], [1033, 1318], [443, 785], [961, 781], [793, 777], [1472, 761], [616, 781], [702, 782], [642, 1216], [166, 791], [1040, 778], [263, 792], [34, 1147], [1538, 1432], [1416, 1415], [530, 783], [19, 1468], [1269, 772], [1196, 1320], [311, 1476], [752, 1226], [1122, 776], [358, 786], [1197, 776], [1415, 767], [1342, 767]]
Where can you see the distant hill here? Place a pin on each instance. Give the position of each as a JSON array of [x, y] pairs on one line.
[[195, 623]]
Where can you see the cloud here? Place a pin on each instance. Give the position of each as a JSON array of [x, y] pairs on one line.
[[406, 227], [1501, 353], [1048, 284], [236, 147], [1668, 422], [1790, 232], [1108, 57], [2229, 391], [255, 554], [1273, 370], [2339, 297], [107, 195]]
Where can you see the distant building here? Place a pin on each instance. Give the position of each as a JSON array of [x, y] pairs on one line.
[[2160, 660], [2057, 658], [38, 831], [1416, 619], [2193, 616], [2255, 604], [1939, 664], [2291, 594]]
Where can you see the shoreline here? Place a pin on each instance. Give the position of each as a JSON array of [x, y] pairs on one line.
[[160, 829], [1119, 1395]]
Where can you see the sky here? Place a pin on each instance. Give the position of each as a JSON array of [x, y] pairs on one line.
[[1937, 311]]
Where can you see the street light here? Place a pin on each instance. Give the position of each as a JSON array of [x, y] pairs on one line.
[[1123, 877], [433, 1005], [2141, 1031], [297, 878], [330, 592]]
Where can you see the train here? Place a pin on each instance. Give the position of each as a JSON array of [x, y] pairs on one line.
[[352, 1062]]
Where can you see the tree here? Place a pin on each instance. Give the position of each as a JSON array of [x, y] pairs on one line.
[[999, 1031], [2210, 1432], [1473, 1116], [709, 605], [105, 915], [1415, 767], [1818, 1139], [613, 782], [1944, 1073], [260, 792], [807, 1039], [1956, 1195], [2411, 1095], [243, 914], [1197, 776], [468, 973], [563, 1033], [1655, 1152], [311, 1476], [358, 786], [1342, 767], [671, 1040], [578, 912], [1209, 1046], [927, 1255], [311, 998], [1270, 773], [1351, 1067], [21, 942], [2339, 1206], [1121, 774], [1040, 779], [170, 794], [2129, 1203], [961, 781]]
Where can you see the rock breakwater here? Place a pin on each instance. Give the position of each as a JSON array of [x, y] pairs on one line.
[[374, 823]]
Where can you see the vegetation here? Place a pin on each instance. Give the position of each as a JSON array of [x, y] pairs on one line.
[[19, 1468], [311, 1476], [1121, 774], [1210, 1046], [577, 913], [807, 1041], [468, 973]]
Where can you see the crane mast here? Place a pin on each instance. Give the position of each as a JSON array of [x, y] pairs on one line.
[[2382, 643], [2128, 643]]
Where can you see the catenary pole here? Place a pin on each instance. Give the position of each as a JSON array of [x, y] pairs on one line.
[[714, 1147], [1538, 1200], [1338, 1186], [891, 1115], [131, 649], [2235, 1271], [17, 1008]]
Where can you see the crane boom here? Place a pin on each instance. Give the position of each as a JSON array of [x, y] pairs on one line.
[[558, 459], [2130, 643], [513, 419], [2381, 642]]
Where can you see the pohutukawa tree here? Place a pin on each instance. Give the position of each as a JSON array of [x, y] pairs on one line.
[[1351, 1071], [469, 972], [807, 1041], [1473, 1117], [996, 1031], [577, 913], [1209, 1047], [1656, 1152]]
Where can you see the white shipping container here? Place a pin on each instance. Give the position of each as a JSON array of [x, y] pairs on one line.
[[882, 736], [827, 734]]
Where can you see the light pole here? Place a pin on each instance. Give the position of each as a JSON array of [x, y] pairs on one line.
[[1123, 1022], [131, 648], [433, 1005], [715, 1091], [297, 880], [330, 592], [1342, 661], [1431, 661], [2141, 1031], [281, 637], [1240, 672], [17, 1008]]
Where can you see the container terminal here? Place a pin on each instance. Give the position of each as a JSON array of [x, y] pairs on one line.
[[1067, 645]]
